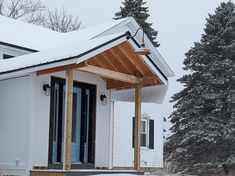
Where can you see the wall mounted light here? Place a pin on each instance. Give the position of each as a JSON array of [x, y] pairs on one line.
[[47, 89], [142, 50], [103, 99]]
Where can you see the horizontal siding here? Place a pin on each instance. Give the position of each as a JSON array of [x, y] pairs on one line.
[[10, 51], [14, 102], [123, 153]]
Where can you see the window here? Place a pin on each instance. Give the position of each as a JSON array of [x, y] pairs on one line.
[[144, 133], [147, 132], [6, 56]]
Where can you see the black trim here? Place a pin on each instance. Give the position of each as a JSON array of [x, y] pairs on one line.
[[18, 47], [92, 123], [149, 58], [133, 132], [151, 134], [7, 56], [127, 35], [64, 59]]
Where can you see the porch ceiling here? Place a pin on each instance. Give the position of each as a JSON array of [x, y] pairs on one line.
[[120, 66]]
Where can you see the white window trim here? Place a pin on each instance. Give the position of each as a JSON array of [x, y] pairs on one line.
[[146, 118]]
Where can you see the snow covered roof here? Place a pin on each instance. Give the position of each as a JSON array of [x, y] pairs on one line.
[[70, 54], [40, 39], [25, 35], [55, 49], [35, 37]]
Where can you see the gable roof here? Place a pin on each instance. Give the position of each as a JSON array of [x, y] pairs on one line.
[[40, 39], [37, 38], [70, 54]]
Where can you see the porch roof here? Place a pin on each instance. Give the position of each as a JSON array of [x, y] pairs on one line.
[[61, 56], [99, 50], [112, 57]]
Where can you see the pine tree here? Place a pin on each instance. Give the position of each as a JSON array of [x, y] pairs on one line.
[[138, 10], [204, 121]]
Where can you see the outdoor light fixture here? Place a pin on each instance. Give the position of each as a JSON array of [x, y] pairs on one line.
[[141, 50], [103, 99], [47, 89]]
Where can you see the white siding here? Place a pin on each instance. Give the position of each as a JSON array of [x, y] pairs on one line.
[[14, 117], [123, 152], [10, 51], [41, 119]]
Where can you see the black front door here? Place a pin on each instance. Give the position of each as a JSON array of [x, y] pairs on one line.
[[83, 125]]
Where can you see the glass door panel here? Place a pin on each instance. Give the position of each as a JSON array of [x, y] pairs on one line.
[[55, 123], [87, 110], [82, 146], [76, 125], [58, 116]]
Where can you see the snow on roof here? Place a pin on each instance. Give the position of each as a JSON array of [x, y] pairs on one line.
[[39, 38], [25, 35], [73, 51], [57, 49]]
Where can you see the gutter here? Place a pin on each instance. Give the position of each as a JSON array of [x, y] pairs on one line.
[[127, 35], [18, 47]]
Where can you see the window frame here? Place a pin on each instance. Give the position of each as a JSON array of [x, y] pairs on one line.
[[7, 56], [146, 120], [149, 122]]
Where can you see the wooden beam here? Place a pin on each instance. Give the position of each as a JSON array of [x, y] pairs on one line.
[[47, 173], [146, 81], [138, 100], [68, 119], [150, 80], [110, 74], [120, 59], [132, 57], [108, 60], [59, 69], [110, 57]]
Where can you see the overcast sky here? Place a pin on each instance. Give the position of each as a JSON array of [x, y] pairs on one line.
[[179, 24]]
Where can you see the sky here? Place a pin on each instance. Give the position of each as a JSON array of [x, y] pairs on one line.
[[179, 24]]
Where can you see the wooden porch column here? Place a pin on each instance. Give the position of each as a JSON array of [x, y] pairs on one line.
[[138, 99], [68, 119]]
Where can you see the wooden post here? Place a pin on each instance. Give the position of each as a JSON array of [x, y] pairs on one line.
[[138, 99], [68, 120]]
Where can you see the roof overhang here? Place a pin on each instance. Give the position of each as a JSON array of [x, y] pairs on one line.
[[113, 54], [113, 58]]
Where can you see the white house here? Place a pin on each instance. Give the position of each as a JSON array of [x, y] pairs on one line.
[[65, 99]]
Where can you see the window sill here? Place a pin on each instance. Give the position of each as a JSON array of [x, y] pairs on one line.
[[144, 148]]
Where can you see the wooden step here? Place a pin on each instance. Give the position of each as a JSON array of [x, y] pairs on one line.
[[81, 172]]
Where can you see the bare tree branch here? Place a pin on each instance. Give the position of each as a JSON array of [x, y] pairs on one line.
[[26, 10], [33, 11], [62, 21]]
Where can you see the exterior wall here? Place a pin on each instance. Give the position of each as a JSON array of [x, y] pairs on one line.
[[14, 118], [40, 127], [123, 153], [10, 51]]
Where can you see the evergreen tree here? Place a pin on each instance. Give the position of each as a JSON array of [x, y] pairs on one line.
[[204, 121], [138, 10]]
